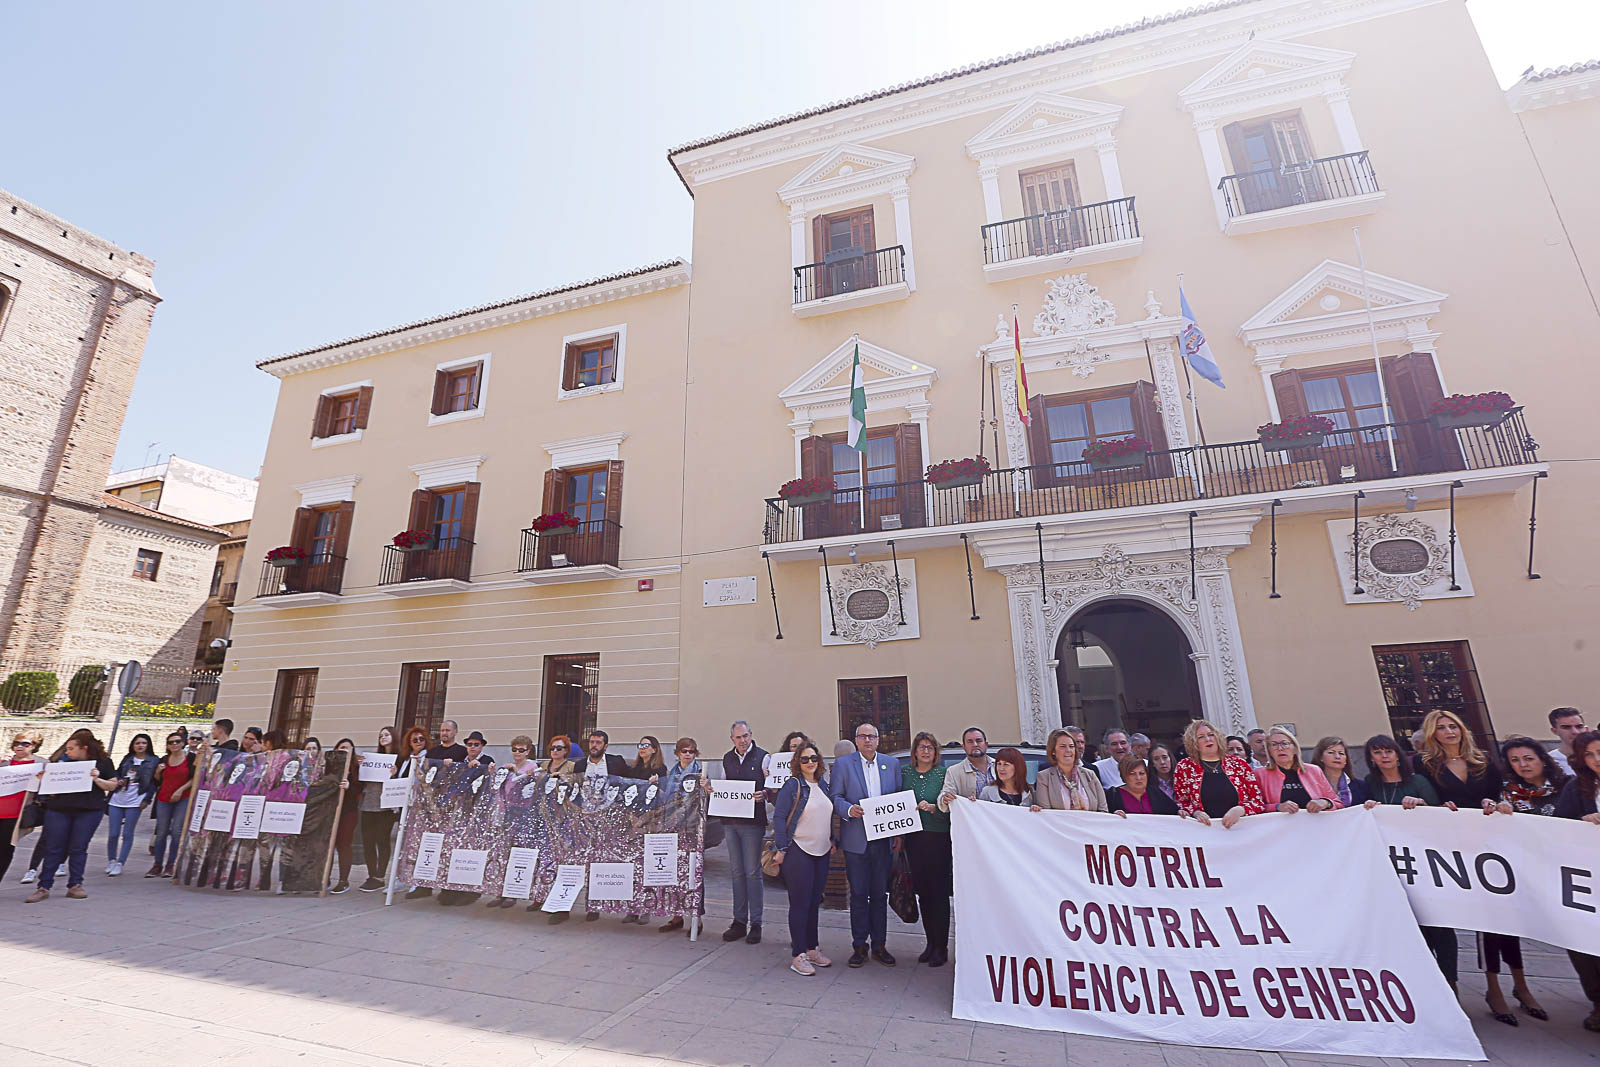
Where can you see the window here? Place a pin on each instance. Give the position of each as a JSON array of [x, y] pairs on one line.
[[1349, 397], [1347, 394], [450, 513], [1271, 161], [1052, 188], [893, 465], [880, 701], [1420, 678], [593, 493], [146, 563], [590, 363], [323, 534], [1061, 426], [216, 579], [448, 505], [342, 412], [586, 494], [291, 705], [422, 690], [571, 697], [457, 389], [843, 244], [150, 495]]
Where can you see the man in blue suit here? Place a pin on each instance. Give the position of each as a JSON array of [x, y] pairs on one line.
[[866, 863]]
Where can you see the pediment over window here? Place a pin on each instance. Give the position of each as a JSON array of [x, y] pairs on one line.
[[892, 381], [1259, 71], [848, 172], [1043, 122], [1325, 309]]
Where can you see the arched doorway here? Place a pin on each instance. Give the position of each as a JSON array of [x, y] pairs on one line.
[[1126, 663]]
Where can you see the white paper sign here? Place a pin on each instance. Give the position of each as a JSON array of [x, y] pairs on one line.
[[247, 817], [732, 798], [778, 770], [428, 850], [660, 859], [466, 867], [219, 816], [890, 815], [14, 780], [610, 881], [720, 592], [396, 793], [521, 866], [74, 777], [282, 818], [564, 893], [376, 766], [197, 817]]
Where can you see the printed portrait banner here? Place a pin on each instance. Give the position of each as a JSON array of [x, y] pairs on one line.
[[263, 821], [1153, 928], [634, 844], [1523, 875]]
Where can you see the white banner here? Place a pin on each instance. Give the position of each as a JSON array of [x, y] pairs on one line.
[[1153, 928], [890, 815], [1524, 875], [76, 776], [375, 766], [732, 798]]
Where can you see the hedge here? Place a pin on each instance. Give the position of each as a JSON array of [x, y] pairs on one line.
[[28, 690], [84, 690]]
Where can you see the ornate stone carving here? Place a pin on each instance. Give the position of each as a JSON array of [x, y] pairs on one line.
[[1169, 396], [1016, 435], [1407, 587], [1073, 307], [866, 603], [1226, 656]]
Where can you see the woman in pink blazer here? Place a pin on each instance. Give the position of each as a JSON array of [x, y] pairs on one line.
[[1288, 782]]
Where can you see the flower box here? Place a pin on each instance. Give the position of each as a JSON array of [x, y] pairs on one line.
[[803, 492], [1292, 444], [556, 522], [1465, 419], [1293, 434], [1475, 409], [1125, 462], [805, 500], [413, 540], [1122, 453], [955, 473], [285, 556]]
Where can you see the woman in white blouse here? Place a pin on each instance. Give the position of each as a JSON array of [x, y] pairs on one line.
[[802, 834]]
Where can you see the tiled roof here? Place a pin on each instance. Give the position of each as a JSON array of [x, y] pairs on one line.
[[1531, 75], [541, 295], [112, 500]]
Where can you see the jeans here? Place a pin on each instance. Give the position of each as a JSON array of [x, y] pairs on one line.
[[869, 894], [1442, 943], [169, 821], [123, 820], [66, 837], [928, 853], [805, 875], [744, 855]]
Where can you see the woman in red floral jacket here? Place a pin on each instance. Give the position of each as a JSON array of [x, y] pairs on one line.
[[1210, 784]]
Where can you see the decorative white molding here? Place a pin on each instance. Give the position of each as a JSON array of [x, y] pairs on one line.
[[857, 298], [865, 605], [844, 176], [1044, 127], [621, 332], [1336, 207], [336, 439], [1418, 563], [327, 490], [823, 391], [441, 472], [1262, 74], [483, 389], [471, 588], [586, 451], [1560, 85]]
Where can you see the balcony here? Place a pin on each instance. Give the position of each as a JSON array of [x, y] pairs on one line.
[[1038, 244], [228, 592], [317, 579], [850, 278], [1305, 480], [588, 553], [444, 568], [1334, 187]]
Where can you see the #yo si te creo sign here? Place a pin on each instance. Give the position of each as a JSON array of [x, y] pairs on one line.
[[890, 815]]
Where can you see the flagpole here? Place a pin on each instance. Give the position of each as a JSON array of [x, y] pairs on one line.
[[1377, 365], [861, 456]]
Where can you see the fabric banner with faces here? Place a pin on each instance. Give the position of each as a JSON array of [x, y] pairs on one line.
[[515, 820], [285, 809]]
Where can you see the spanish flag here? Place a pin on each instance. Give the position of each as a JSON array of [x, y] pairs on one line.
[[1022, 372]]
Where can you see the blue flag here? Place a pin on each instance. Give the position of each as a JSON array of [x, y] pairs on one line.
[[1195, 348]]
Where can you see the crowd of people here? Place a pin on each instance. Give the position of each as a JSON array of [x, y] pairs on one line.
[[1207, 776]]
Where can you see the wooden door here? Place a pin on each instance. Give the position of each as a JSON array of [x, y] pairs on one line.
[[1420, 678], [1271, 161], [843, 244], [880, 701], [1049, 195]]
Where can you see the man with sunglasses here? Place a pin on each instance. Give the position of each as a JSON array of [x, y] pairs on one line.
[[475, 753]]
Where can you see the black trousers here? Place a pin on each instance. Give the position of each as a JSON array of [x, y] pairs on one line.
[[1442, 943], [376, 826], [7, 827], [1497, 947], [1588, 968], [928, 853]]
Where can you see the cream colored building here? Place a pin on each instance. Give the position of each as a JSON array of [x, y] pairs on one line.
[[1236, 147]]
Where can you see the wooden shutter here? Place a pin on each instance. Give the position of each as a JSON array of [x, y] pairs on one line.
[[363, 407], [1412, 382], [819, 238], [319, 419], [862, 232], [1291, 397], [421, 510], [469, 511], [555, 490], [1147, 423], [908, 463], [342, 521], [477, 385], [440, 380], [305, 526], [611, 540], [569, 367], [816, 461], [1039, 443], [1233, 134]]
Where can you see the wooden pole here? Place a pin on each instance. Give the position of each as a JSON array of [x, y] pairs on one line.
[[338, 808]]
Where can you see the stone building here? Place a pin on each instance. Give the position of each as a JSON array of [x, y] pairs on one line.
[[216, 621]]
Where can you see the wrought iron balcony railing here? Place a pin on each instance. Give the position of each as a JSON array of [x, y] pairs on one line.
[[1060, 231], [450, 557], [1204, 472], [850, 271], [228, 592], [595, 542], [321, 573], [1329, 178]]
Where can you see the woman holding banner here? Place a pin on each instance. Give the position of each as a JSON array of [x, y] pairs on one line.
[[22, 749], [1290, 784], [1162, 764], [559, 766], [1066, 785], [413, 753], [1578, 801], [1134, 796], [1212, 784], [174, 776], [1332, 757], [802, 832], [70, 819], [649, 766], [377, 822], [928, 849], [1010, 785], [344, 835], [1455, 766]]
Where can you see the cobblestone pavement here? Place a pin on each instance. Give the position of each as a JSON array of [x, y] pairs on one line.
[[146, 973]]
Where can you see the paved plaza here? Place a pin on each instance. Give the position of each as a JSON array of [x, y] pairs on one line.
[[146, 973]]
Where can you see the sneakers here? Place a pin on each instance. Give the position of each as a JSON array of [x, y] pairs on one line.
[[38, 894], [342, 887], [734, 932], [153, 872], [801, 965], [372, 885], [113, 869], [76, 892], [30, 877], [818, 959]]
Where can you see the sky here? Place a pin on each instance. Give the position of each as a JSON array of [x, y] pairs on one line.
[[308, 170]]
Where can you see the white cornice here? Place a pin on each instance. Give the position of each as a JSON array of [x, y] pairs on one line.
[[1581, 83], [1012, 138], [1271, 69], [327, 490], [668, 277], [819, 394], [582, 451], [1401, 311], [1081, 69], [441, 472], [865, 171]]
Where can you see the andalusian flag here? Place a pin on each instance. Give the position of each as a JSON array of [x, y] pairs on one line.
[[1022, 372], [856, 434]]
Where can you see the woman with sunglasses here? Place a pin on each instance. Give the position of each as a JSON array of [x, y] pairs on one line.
[[802, 834], [522, 765], [649, 766], [560, 765], [137, 775], [686, 765], [22, 747], [174, 776]]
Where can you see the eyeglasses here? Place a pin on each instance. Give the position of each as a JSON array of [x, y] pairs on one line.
[[474, 744], [555, 748], [688, 751], [22, 744], [520, 748], [644, 745], [809, 759], [170, 741]]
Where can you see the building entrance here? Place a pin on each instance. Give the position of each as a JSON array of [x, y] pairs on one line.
[[1125, 663]]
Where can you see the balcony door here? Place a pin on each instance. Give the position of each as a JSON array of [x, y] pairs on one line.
[[449, 513], [323, 534], [843, 244], [1272, 161], [894, 480], [1048, 196], [1347, 395]]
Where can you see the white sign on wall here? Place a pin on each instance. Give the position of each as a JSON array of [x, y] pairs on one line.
[[721, 592], [867, 608], [1404, 558]]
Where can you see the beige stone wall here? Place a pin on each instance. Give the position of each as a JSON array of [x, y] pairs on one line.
[[1562, 138]]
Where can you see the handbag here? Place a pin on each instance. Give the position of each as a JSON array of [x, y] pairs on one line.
[[902, 891], [32, 816], [771, 865]]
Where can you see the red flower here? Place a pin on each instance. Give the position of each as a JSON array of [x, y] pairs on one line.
[[951, 469], [413, 539], [806, 486], [1116, 448], [1472, 403], [288, 552], [554, 521], [1292, 429]]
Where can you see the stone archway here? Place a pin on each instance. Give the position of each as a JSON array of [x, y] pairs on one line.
[[1124, 663]]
